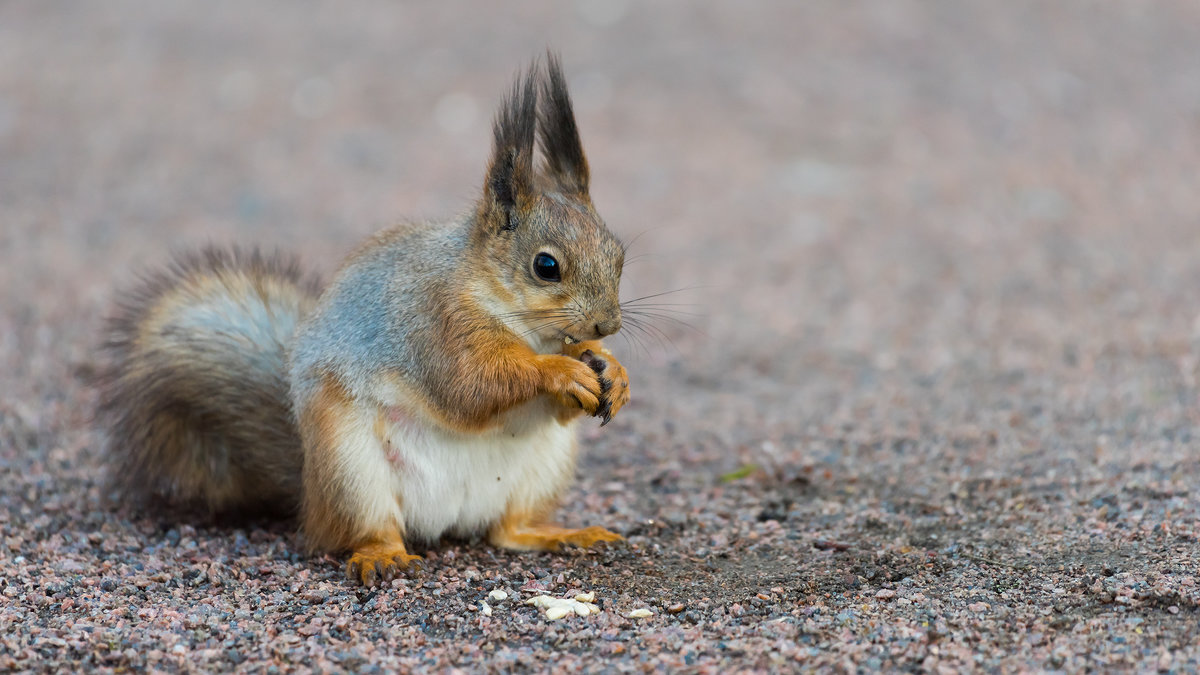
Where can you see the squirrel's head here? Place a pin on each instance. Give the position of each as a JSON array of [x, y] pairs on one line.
[[555, 267]]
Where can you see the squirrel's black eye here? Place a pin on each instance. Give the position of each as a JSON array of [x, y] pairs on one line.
[[546, 267]]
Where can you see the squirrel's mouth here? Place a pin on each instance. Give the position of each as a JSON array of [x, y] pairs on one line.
[[568, 339]]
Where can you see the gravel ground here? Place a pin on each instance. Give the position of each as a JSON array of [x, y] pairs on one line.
[[937, 411]]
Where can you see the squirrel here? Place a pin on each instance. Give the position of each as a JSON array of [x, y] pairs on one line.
[[432, 388]]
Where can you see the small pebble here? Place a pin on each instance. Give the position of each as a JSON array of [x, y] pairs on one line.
[[498, 596], [557, 612], [485, 608], [557, 608]]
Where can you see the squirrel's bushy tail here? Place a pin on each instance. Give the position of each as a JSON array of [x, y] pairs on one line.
[[194, 395]]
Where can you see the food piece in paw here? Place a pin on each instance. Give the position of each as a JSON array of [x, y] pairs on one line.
[[594, 362]]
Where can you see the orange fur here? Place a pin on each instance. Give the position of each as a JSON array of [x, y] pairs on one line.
[[329, 520], [523, 530], [380, 561], [617, 392], [492, 371]]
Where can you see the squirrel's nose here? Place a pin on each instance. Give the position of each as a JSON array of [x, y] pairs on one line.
[[608, 326]]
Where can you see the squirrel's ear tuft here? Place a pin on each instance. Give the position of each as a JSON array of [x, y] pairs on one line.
[[509, 185], [557, 133]]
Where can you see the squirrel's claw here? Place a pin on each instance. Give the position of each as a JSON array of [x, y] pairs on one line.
[[377, 563], [594, 362], [605, 411], [613, 390]]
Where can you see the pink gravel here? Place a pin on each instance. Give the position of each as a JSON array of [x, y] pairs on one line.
[[938, 410]]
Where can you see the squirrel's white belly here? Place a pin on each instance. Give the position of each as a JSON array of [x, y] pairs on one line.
[[453, 483]]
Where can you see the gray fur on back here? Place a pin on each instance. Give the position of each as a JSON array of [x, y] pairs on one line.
[[400, 280]]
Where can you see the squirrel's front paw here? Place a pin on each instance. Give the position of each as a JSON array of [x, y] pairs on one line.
[[573, 383], [614, 383]]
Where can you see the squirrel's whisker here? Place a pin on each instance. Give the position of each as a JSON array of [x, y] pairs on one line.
[[659, 295], [544, 326], [658, 311], [654, 332], [634, 342], [668, 318], [660, 304]]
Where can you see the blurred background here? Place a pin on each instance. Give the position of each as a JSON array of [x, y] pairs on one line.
[[847, 194], [920, 185]]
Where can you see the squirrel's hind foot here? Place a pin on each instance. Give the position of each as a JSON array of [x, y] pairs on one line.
[[547, 537], [381, 562]]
